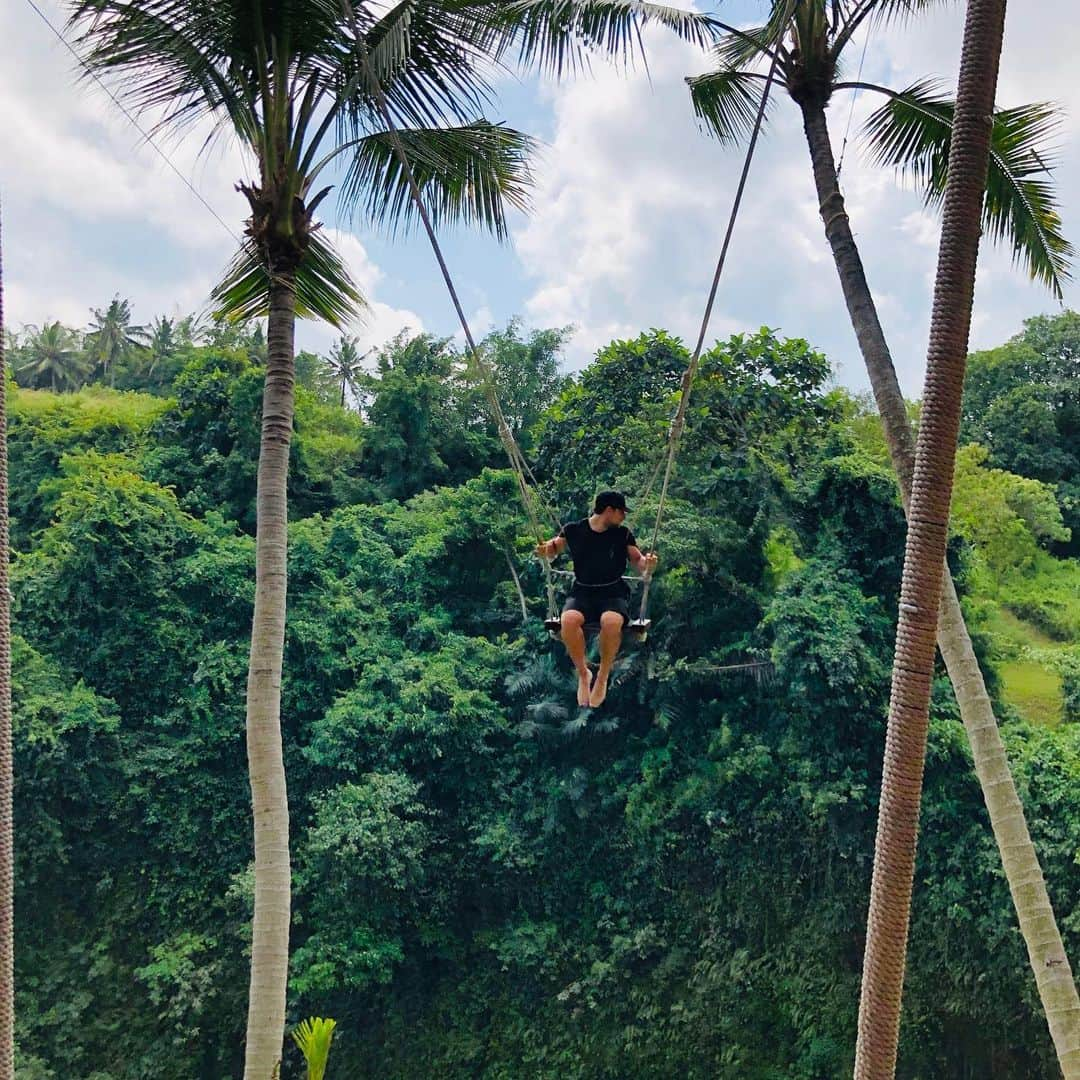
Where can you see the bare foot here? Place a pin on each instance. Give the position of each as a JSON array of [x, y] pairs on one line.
[[584, 680], [599, 690]]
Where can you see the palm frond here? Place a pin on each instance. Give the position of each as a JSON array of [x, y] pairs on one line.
[[430, 60], [313, 1036], [726, 102], [522, 683], [881, 11], [912, 133], [576, 724], [530, 729], [899, 10], [606, 725], [739, 48], [472, 174], [669, 713], [324, 289], [544, 711], [170, 59], [557, 36]]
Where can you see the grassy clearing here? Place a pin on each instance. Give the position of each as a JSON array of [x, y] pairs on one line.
[[1031, 688]]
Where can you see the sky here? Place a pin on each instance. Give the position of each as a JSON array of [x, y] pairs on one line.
[[627, 216]]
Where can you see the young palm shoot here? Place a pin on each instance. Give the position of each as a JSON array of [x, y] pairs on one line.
[[313, 1037]]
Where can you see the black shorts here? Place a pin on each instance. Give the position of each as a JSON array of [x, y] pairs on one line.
[[592, 606]]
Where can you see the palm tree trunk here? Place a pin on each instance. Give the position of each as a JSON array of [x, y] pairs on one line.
[[924, 556], [270, 931], [7, 846], [1035, 914]]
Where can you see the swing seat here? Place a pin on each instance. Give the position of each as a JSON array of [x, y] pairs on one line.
[[638, 629]]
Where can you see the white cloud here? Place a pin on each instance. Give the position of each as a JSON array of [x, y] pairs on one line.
[[629, 212], [80, 158], [91, 210], [379, 322], [632, 203]]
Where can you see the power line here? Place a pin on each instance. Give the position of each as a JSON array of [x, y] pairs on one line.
[[134, 123]]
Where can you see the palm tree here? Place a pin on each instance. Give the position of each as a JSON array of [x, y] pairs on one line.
[[161, 341], [928, 531], [7, 847], [189, 331], [346, 365], [912, 131], [52, 356], [299, 84], [112, 338]]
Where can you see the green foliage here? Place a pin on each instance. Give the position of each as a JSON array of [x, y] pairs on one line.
[[50, 356], [526, 376], [313, 1037], [206, 443], [1065, 663], [43, 427], [373, 836], [1004, 516], [828, 639], [757, 401], [1022, 402], [781, 555], [488, 883]]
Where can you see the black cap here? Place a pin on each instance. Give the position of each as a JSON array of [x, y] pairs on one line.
[[610, 498]]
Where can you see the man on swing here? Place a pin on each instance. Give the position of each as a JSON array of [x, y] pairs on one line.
[[600, 546]]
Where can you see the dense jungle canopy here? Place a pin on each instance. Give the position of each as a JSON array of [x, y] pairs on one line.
[[487, 882]]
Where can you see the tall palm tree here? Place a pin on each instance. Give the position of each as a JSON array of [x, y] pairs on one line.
[[52, 356], [7, 846], [928, 532], [912, 131], [281, 78], [189, 330], [112, 337], [346, 365], [297, 83], [162, 341]]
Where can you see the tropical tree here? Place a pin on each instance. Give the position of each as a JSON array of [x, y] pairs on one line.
[[162, 340], [52, 356], [189, 331], [924, 557], [526, 374], [346, 365], [912, 132], [305, 86], [112, 338]]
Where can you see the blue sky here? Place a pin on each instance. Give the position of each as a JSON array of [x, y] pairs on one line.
[[628, 211]]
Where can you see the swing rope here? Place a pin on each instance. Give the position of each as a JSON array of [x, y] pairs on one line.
[[679, 423], [522, 472], [518, 465]]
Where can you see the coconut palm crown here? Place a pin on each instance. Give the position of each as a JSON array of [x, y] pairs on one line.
[[910, 131]]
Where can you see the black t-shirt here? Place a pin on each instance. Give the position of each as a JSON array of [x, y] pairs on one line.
[[599, 557]]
